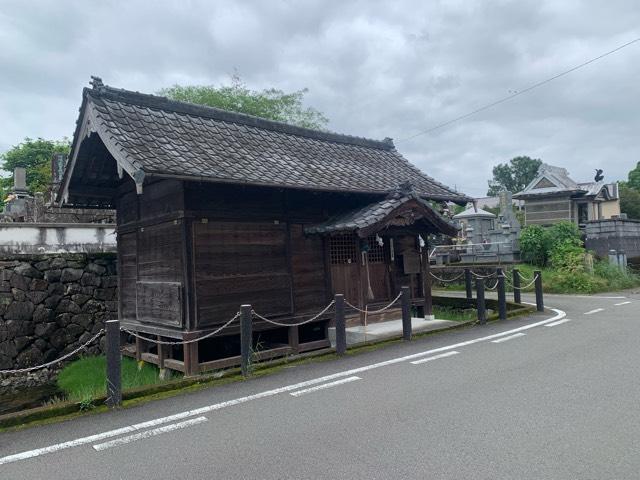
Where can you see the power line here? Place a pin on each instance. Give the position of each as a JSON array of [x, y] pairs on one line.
[[509, 97]]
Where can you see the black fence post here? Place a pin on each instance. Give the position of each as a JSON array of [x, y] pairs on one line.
[[406, 314], [539, 299], [482, 313], [114, 363], [341, 327], [467, 283], [502, 295], [516, 286], [246, 335]]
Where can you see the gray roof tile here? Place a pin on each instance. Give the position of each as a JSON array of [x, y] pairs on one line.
[[176, 138]]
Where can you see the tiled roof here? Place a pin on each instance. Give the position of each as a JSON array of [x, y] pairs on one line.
[[374, 213], [152, 135], [473, 213]]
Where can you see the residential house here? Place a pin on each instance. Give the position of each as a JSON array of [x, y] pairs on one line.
[[552, 197]]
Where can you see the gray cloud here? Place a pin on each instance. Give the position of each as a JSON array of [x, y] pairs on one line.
[[374, 68]]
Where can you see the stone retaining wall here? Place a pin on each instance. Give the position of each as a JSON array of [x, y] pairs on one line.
[[614, 234], [51, 304]]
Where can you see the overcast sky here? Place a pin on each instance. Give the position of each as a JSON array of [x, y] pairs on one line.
[[375, 69]]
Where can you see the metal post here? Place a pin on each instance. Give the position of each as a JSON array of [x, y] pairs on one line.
[[502, 296], [246, 335], [114, 363], [482, 313], [539, 299], [516, 286], [467, 283], [406, 314], [341, 327]]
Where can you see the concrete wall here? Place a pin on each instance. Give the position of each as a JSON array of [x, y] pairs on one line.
[[605, 235], [39, 238], [51, 304]]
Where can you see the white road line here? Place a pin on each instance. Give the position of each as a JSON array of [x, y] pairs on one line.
[[587, 296], [621, 303], [435, 357], [267, 393], [325, 385], [149, 433], [510, 337], [596, 310], [559, 322]]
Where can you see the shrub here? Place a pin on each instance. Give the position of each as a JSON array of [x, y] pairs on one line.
[[534, 244], [562, 233], [567, 257], [537, 243]]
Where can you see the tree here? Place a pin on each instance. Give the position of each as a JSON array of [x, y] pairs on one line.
[[634, 178], [630, 201], [270, 103], [513, 176], [35, 156]]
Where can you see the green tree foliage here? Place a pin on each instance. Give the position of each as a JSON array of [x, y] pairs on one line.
[[630, 201], [35, 156], [270, 103], [513, 176], [634, 178], [541, 246]]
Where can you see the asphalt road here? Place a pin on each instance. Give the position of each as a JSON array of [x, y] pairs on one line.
[[539, 398]]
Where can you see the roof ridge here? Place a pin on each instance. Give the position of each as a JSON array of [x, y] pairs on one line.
[[176, 106]]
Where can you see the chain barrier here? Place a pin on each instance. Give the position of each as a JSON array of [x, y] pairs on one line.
[[521, 287], [523, 277], [280, 324], [494, 286], [483, 276], [57, 360], [370, 312], [443, 280], [181, 342]]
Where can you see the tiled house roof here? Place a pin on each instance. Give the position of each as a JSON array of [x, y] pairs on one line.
[[371, 218], [153, 136]]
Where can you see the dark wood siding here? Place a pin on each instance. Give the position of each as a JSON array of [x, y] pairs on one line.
[[127, 275], [159, 252], [240, 262], [308, 270]]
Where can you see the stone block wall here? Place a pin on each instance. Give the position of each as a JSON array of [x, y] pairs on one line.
[[615, 234], [51, 304]]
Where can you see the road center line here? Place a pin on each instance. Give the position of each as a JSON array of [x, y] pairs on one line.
[[595, 310], [435, 357], [510, 337], [325, 385], [149, 433], [621, 303], [559, 314], [559, 322]]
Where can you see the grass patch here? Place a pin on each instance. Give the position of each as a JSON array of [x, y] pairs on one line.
[[85, 379], [604, 278], [455, 314]]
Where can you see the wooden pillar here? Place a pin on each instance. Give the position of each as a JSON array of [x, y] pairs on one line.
[[294, 339], [162, 354], [426, 285], [362, 275], [191, 362], [138, 349]]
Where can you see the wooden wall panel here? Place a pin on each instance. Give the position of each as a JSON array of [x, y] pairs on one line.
[[240, 262], [127, 275], [162, 197], [160, 252], [307, 270]]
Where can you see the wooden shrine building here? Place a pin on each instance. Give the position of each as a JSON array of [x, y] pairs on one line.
[[216, 209]]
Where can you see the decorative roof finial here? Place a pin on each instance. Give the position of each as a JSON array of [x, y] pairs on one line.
[[96, 82]]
